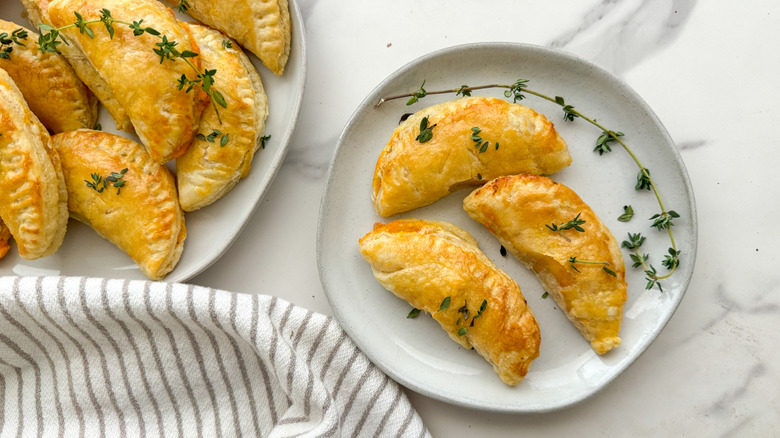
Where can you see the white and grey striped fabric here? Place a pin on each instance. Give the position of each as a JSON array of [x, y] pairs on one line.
[[92, 357]]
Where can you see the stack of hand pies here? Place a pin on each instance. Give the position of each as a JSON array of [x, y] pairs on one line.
[[55, 163]]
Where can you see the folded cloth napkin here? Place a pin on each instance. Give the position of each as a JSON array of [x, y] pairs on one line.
[[94, 357]]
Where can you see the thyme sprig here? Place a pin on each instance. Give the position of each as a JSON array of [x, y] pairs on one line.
[[605, 265], [7, 41], [517, 91], [114, 179], [479, 143], [51, 37]]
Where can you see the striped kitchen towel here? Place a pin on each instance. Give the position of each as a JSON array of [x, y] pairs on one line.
[[93, 357]]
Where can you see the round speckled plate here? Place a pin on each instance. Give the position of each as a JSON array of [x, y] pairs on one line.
[[416, 352], [211, 230]]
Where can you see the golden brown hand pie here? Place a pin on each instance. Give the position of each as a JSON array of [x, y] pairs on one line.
[[260, 26], [33, 199], [410, 174], [428, 262], [164, 117], [49, 85], [517, 210], [210, 168], [37, 14], [143, 217], [5, 236]]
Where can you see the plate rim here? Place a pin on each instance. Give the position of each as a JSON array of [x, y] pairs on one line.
[[373, 97]]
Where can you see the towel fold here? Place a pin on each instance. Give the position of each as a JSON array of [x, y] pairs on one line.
[[95, 357]]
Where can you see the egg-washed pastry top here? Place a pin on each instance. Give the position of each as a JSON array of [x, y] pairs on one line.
[[438, 268], [139, 212], [520, 211], [164, 117], [260, 26], [48, 83], [37, 14], [227, 140], [33, 198], [470, 140]]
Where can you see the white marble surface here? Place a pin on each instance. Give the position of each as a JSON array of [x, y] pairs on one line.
[[707, 68]]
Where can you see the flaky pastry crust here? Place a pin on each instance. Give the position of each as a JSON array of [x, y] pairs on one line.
[[426, 262], [33, 199], [164, 117], [410, 174], [48, 83], [516, 209], [261, 26], [209, 169], [144, 218]]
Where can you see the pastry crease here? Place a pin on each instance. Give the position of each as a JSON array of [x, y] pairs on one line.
[[517, 210], [427, 262]]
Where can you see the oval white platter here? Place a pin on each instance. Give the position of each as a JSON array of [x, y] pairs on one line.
[[416, 352], [211, 230]]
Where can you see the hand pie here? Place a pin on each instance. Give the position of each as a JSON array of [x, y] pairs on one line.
[[37, 14], [438, 268], [261, 26], [214, 163], [474, 139], [139, 213], [33, 199], [518, 209], [5, 235], [49, 85], [164, 117]]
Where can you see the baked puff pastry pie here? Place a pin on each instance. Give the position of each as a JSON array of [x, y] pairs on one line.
[[582, 270], [138, 211], [222, 152], [164, 117], [260, 26], [5, 236], [437, 267], [48, 83], [38, 14], [469, 141], [33, 199]]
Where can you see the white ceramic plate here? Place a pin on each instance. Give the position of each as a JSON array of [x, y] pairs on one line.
[[211, 230], [416, 352]]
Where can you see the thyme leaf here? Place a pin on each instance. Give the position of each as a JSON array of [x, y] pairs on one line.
[[606, 137], [628, 213], [426, 132], [413, 313], [573, 223], [417, 95]]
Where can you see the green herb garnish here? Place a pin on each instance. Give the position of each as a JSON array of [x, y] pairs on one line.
[[573, 223], [605, 265], [480, 144], [426, 132], [444, 304], [6, 40], [114, 179], [413, 313], [628, 213]]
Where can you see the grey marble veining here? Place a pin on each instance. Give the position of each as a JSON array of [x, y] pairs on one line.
[[619, 34]]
